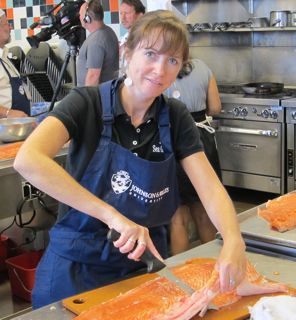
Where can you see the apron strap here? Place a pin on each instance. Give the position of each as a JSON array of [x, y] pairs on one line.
[[164, 127], [107, 90], [3, 64]]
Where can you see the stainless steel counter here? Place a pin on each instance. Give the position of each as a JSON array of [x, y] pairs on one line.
[[273, 267], [11, 185]]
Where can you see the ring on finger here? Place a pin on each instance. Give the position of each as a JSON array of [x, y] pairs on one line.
[[131, 240], [231, 282]]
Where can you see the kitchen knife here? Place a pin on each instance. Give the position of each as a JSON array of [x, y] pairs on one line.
[[155, 265]]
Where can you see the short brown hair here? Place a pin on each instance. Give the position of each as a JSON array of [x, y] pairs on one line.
[[167, 25], [137, 4], [95, 10]]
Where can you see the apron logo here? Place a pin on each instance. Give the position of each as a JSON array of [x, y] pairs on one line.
[[21, 90], [120, 181]]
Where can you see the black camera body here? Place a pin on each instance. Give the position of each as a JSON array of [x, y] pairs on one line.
[[65, 23]]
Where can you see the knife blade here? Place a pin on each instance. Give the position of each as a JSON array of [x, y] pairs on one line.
[[154, 265]]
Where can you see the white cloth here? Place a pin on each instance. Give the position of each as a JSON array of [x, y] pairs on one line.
[[2, 13], [5, 87], [274, 308]]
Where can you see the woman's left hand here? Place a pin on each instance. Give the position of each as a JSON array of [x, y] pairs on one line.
[[231, 264]]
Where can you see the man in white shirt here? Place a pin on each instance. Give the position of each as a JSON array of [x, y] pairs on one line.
[[13, 97], [129, 11]]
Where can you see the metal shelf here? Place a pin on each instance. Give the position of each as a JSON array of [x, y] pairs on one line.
[[267, 29]]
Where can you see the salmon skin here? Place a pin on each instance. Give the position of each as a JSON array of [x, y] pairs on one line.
[[160, 299], [280, 212]]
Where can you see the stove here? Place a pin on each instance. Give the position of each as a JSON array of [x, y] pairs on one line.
[[290, 120], [251, 139]]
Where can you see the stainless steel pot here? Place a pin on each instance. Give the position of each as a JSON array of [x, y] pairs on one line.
[[259, 22], [292, 19], [279, 18], [16, 129]]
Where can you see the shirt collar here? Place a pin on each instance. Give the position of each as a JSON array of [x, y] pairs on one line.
[[151, 112], [4, 53]]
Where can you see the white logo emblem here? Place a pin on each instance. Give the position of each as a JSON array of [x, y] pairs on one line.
[[120, 181], [21, 90]]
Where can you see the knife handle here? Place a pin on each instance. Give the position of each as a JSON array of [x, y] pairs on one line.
[[153, 264]]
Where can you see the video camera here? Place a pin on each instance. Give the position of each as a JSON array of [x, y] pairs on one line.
[[65, 23]]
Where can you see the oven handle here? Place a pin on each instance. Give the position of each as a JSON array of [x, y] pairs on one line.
[[257, 132]]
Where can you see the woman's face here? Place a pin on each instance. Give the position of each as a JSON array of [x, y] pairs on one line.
[[152, 71]]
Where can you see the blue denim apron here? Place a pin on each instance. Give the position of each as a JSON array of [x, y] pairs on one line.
[[79, 258], [19, 100]]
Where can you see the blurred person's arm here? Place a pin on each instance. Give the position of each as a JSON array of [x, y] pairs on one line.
[[92, 77], [11, 113], [213, 98]]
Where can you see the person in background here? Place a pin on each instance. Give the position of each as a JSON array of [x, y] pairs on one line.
[[196, 87], [14, 94], [129, 12], [98, 56], [125, 138]]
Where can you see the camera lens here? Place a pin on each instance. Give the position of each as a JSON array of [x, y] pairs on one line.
[[44, 35]]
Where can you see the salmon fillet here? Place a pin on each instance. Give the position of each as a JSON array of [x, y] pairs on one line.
[[9, 151], [280, 212], [160, 299]]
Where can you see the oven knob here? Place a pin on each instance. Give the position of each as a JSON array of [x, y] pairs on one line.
[[265, 113], [244, 112], [293, 114], [236, 111], [274, 115]]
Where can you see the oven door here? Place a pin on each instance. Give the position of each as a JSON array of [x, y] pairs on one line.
[[251, 149], [291, 161]]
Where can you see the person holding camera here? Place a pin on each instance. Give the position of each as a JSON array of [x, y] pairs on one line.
[[125, 139], [98, 58], [14, 93]]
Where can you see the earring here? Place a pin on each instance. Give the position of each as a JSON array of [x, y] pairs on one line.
[[176, 94], [128, 81]]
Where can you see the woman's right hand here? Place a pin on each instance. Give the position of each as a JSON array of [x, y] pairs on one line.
[[134, 238]]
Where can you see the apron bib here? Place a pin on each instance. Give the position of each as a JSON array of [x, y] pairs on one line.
[[144, 191], [19, 100]]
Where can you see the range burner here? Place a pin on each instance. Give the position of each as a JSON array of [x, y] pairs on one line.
[[237, 89]]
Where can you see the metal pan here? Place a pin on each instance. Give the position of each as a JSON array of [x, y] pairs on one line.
[[263, 87]]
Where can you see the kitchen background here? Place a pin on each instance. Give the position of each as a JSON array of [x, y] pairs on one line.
[[235, 56], [243, 55]]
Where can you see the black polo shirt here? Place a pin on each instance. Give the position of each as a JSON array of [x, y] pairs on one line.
[[80, 112]]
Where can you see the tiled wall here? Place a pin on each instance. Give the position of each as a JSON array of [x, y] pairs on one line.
[[22, 13]]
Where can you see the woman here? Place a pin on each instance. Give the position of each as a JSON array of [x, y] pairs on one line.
[[196, 87], [121, 170]]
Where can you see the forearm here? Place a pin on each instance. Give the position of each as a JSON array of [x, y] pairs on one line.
[[3, 112], [213, 195], [223, 215], [92, 77]]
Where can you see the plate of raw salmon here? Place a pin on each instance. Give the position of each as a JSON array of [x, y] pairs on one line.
[[280, 213]]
